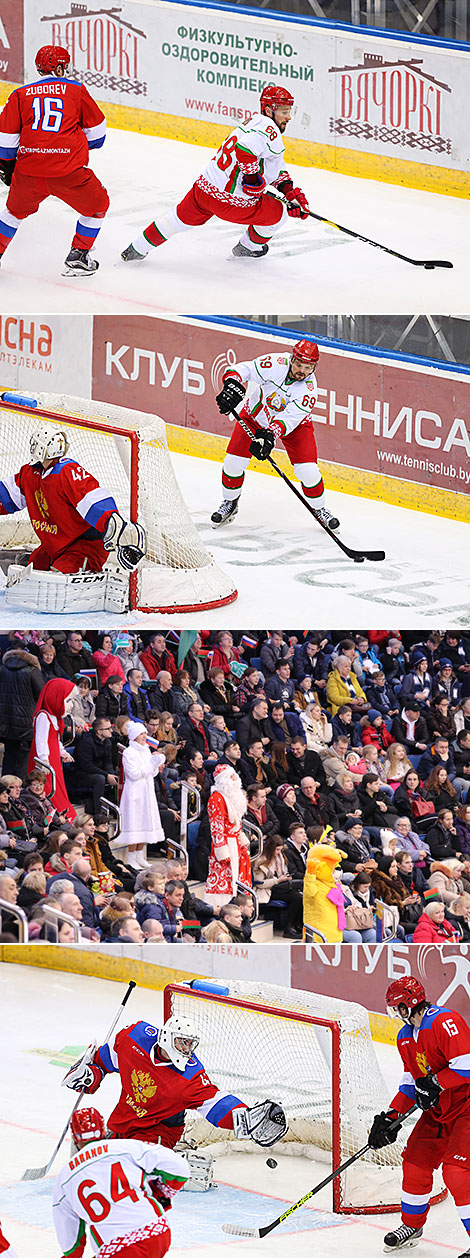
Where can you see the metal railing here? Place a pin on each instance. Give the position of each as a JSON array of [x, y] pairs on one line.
[[113, 814], [186, 818], [56, 917], [312, 935], [20, 916], [253, 831], [47, 768]]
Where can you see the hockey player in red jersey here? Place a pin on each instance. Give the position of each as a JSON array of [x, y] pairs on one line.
[[161, 1077], [76, 521], [434, 1045], [235, 185], [46, 131], [6, 1250], [116, 1191], [282, 395]]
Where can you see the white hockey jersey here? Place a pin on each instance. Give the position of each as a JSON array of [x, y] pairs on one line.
[[103, 1192], [274, 401], [259, 145]]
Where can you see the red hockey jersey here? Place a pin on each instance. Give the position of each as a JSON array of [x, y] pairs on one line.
[[49, 126], [440, 1045], [155, 1095], [63, 503]]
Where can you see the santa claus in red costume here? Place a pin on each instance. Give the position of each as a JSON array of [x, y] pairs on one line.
[[48, 726], [229, 860]]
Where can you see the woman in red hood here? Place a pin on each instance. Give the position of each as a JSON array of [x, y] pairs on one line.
[[48, 727]]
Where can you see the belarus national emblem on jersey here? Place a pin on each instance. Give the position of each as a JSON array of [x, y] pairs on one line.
[[422, 1063], [41, 503], [276, 401], [143, 1085]]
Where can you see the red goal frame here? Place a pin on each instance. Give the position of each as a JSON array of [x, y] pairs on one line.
[[334, 1027], [130, 435]]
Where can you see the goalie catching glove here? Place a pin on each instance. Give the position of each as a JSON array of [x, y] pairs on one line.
[[232, 393], [263, 443], [127, 539], [264, 1123], [381, 1132], [85, 1075]]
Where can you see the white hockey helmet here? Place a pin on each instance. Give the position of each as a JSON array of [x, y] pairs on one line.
[[179, 1039], [47, 443]]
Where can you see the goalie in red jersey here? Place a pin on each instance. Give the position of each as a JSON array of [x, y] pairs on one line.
[[161, 1077], [434, 1045], [77, 523], [47, 130]]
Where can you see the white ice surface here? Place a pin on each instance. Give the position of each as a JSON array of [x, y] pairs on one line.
[[46, 1015], [311, 266], [281, 559]]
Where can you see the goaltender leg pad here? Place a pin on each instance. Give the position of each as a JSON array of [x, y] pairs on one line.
[[201, 1165], [78, 592]]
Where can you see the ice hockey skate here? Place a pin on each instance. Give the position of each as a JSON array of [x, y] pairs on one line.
[[78, 262], [403, 1237], [326, 517], [241, 251], [132, 255], [225, 513]]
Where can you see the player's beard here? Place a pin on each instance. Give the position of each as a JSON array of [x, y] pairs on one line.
[[234, 798]]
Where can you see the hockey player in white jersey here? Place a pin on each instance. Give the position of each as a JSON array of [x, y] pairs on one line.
[[115, 1193], [282, 395], [235, 185]]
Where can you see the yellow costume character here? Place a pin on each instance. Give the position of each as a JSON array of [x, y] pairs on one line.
[[323, 899]]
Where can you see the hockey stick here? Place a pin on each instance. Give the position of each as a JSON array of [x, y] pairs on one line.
[[39, 1172], [358, 555], [236, 1229], [429, 264]]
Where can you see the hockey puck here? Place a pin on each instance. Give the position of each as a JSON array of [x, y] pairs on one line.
[[359, 559], [271, 1162], [429, 266]]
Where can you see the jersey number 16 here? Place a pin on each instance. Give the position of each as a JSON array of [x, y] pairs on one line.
[[48, 113]]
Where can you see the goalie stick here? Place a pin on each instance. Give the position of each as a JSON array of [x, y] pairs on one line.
[[237, 1229], [429, 264], [359, 556], [38, 1172]]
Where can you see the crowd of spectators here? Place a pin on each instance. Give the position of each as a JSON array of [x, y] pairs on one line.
[[360, 740]]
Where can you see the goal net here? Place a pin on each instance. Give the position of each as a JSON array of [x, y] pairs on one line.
[[315, 1056], [127, 452]]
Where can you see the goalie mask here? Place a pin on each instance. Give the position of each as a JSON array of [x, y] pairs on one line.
[[178, 1039], [47, 443]]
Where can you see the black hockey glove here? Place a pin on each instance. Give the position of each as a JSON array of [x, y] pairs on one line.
[[427, 1091], [232, 393], [262, 444], [381, 1132], [6, 171]]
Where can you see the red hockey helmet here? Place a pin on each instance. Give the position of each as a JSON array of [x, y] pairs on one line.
[[52, 60], [306, 352], [404, 991], [274, 96], [86, 1125]]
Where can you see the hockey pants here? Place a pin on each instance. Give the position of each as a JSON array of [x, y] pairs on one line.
[[92, 553], [81, 189], [432, 1144], [300, 446], [263, 217], [151, 1241]]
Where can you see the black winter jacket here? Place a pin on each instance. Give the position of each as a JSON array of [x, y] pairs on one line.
[[21, 682]]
